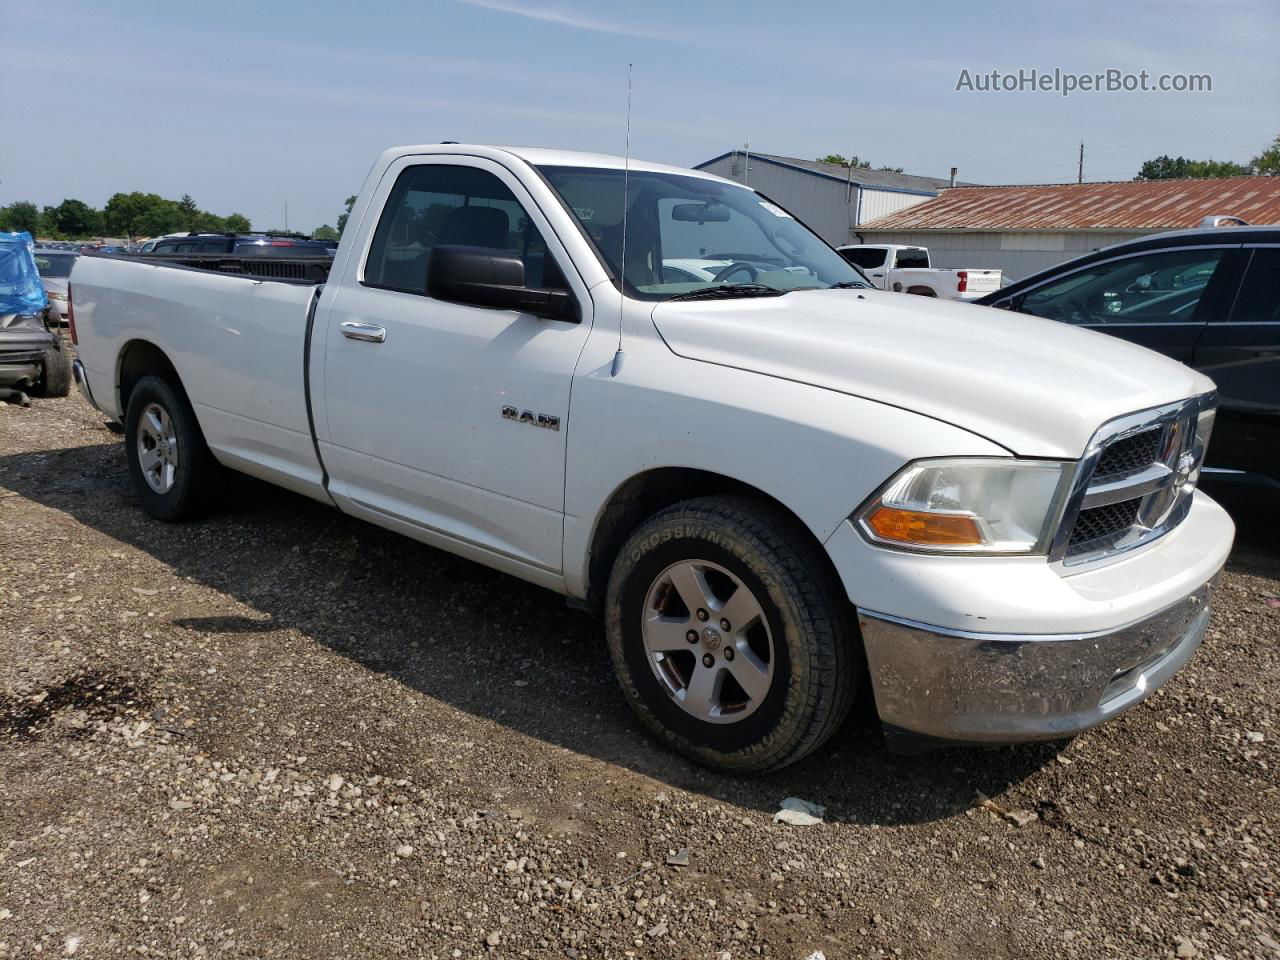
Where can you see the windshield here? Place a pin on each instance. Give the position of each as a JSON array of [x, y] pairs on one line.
[[688, 233], [55, 264]]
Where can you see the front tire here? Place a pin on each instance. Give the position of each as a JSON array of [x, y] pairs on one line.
[[173, 472], [731, 637]]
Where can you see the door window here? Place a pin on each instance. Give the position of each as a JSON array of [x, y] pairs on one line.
[[434, 204], [868, 257], [1259, 299], [1163, 287], [912, 259]]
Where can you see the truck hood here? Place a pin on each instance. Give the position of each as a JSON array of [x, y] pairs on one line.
[[1037, 387]]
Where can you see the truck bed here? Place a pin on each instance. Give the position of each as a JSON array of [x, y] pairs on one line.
[[238, 340], [308, 270]]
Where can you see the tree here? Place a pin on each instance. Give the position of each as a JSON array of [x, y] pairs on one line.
[[20, 215], [890, 169], [841, 161], [237, 223], [160, 216], [210, 223], [1164, 167], [123, 212], [325, 232], [342, 217], [1267, 163], [72, 218], [189, 211], [1180, 168], [1218, 168]]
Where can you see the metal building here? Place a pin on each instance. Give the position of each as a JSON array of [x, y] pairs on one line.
[[1025, 229], [833, 200]]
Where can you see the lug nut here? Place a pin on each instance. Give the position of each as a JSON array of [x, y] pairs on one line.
[[724, 625], [702, 614], [692, 636], [708, 660], [728, 653]]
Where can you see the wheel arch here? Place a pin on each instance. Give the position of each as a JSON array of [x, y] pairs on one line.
[[646, 493], [137, 359]]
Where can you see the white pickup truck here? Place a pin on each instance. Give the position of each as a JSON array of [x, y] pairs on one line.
[[772, 486], [907, 270]]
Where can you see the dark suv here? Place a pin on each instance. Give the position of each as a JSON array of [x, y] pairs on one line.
[[245, 245], [1208, 297]]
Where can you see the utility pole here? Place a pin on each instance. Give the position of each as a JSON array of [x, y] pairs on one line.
[[286, 216], [1080, 171], [746, 166]]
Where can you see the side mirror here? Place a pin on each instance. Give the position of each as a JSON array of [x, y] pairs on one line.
[[491, 277]]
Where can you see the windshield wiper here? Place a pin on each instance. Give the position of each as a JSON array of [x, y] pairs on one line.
[[851, 285], [726, 291]]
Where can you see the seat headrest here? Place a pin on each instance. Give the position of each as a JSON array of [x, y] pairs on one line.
[[475, 227]]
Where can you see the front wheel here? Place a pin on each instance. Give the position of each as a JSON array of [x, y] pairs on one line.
[[173, 472], [730, 636]]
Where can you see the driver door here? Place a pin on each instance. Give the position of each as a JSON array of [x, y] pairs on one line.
[[442, 420], [1158, 299]]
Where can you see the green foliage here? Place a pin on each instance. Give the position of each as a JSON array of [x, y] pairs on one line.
[[342, 217], [1165, 167], [325, 232], [1267, 163], [125, 214], [20, 215], [71, 218], [189, 212], [841, 160]]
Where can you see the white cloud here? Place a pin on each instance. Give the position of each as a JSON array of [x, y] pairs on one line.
[[565, 17]]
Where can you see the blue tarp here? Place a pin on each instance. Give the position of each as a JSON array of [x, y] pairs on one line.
[[20, 288]]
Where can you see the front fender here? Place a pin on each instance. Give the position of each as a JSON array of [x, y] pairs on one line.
[[818, 452]]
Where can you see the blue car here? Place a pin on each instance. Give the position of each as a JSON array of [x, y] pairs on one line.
[[33, 358]]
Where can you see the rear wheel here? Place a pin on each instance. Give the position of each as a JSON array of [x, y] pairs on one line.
[[730, 636], [172, 470], [55, 371]]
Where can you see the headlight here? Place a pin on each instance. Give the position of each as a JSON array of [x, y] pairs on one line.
[[968, 506], [1200, 446], [57, 295]]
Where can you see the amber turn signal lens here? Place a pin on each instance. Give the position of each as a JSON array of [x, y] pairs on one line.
[[924, 529]]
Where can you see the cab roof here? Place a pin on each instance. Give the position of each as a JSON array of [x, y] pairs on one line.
[[548, 157]]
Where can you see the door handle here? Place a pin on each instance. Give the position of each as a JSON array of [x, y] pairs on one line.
[[355, 330]]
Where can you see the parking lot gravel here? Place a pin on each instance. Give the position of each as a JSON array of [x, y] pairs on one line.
[[280, 732]]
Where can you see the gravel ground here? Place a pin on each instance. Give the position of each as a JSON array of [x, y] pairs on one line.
[[284, 733]]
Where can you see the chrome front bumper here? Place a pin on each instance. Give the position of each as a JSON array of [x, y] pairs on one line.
[[1004, 687]]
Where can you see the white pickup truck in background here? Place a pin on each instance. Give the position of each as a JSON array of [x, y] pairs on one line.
[[770, 483], [907, 270]]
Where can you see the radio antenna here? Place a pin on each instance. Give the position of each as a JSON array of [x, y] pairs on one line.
[[622, 284]]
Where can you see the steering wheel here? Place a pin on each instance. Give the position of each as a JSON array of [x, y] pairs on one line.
[[1072, 311], [752, 271], [1077, 312]]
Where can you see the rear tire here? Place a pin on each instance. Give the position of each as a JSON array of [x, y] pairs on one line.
[[746, 697], [173, 472], [55, 371]]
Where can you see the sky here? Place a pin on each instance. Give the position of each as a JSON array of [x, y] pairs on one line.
[[248, 106]]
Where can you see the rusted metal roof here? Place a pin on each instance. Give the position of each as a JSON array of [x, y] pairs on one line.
[[1125, 205]]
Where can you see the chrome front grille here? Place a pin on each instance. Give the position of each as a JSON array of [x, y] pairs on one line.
[[1135, 481], [1129, 454], [1101, 523]]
